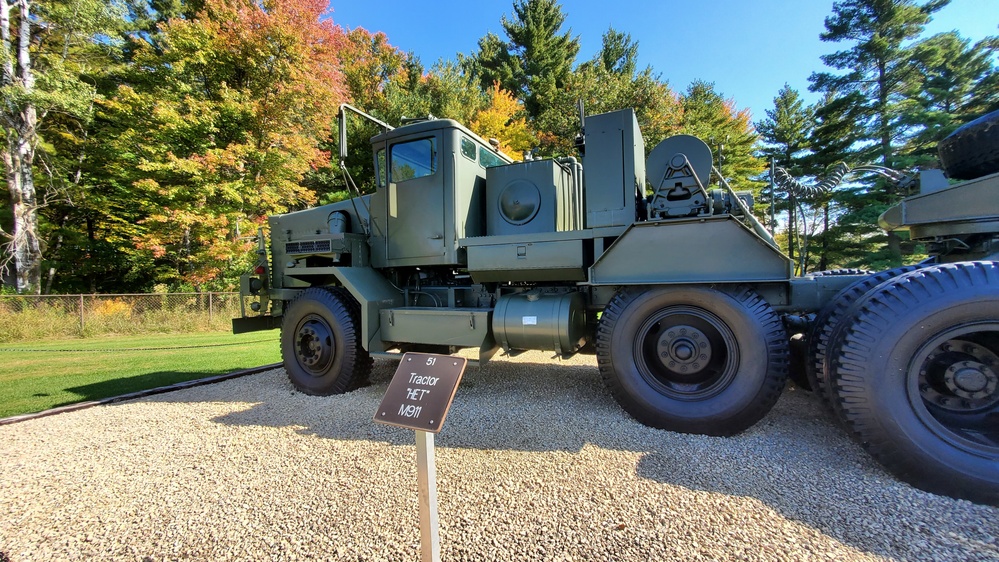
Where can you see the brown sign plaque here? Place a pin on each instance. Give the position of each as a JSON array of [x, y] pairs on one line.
[[421, 391]]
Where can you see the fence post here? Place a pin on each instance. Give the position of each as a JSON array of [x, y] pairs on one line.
[[81, 314], [210, 309]]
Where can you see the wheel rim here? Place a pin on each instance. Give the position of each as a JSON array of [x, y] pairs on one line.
[[954, 387], [314, 345], [686, 353]]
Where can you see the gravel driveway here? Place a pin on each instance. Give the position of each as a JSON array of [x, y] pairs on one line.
[[535, 462]]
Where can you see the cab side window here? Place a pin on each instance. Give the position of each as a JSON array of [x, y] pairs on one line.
[[488, 159], [468, 148], [413, 159]]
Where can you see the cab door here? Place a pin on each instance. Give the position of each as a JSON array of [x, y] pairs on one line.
[[415, 201]]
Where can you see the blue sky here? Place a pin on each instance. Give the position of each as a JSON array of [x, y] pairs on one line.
[[748, 48]]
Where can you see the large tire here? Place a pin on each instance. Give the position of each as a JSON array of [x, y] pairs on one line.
[[827, 326], [917, 378], [320, 346], [800, 356], [693, 359], [972, 150]]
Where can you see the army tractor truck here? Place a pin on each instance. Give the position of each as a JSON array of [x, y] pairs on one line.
[[680, 292]]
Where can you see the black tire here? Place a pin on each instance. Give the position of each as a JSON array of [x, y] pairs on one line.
[[320, 344], [972, 151], [917, 378], [797, 361], [827, 326], [800, 354], [733, 380]]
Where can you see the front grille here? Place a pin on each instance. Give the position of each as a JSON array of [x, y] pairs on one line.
[[308, 247]]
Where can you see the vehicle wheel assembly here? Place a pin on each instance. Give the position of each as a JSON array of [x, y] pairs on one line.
[[799, 346], [827, 325], [320, 347], [693, 359], [917, 378]]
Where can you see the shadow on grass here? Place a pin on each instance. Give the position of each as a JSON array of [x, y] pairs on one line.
[[125, 387]]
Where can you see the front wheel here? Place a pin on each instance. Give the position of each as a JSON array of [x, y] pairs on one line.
[[693, 359], [320, 347], [917, 378]]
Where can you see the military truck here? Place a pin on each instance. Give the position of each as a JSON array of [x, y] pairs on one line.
[[684, 297]]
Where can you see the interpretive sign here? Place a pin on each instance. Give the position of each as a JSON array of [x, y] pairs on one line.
[[421, 391]]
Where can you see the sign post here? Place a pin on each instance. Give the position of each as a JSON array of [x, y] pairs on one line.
[[418, 398], [426, 475]]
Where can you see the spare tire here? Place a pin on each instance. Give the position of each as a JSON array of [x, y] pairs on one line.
[[972, 151]]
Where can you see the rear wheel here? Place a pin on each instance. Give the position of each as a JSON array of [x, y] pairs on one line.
[[827, 326], [800, 352], [917, 379], [693, 359], [319, 343]]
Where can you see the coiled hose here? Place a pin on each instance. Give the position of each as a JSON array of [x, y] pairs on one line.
[[783, 179]]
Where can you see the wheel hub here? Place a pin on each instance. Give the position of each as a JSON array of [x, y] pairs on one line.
[[314, 346], [960, 375], [969, 378], [684, 349]]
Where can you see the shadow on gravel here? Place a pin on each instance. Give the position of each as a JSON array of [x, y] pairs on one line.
[[796, 460]]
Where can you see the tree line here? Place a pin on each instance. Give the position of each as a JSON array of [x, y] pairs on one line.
[[146, 141]]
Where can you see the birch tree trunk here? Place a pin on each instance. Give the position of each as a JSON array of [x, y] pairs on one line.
[[19, 124]]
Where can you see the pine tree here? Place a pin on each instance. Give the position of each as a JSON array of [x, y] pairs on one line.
[[833, 137], [877, 71], [786, 136], [537, 59], [619, 54], [954, 83]]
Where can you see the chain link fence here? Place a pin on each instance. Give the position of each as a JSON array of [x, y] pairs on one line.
[[32, 317]]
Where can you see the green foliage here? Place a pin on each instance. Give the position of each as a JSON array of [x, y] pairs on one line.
[[536, 61], [618, 54], [47, 84], [786, 130], [785, 134], [954, 82], [169, 129], [871, 93], [447, 92], [222, 124], [729, 134], [607, 82], [656, 106]]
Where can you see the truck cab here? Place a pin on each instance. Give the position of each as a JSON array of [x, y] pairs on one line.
[[431, 188]]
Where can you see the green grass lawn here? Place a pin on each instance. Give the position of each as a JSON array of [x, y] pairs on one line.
[[42, 375]]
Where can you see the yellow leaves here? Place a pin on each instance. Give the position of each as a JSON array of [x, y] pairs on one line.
[[503, 119], [368, 62], [109, 308]]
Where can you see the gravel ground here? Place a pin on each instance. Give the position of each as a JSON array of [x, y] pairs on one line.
[[535, 462]]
